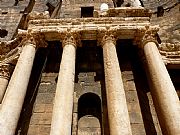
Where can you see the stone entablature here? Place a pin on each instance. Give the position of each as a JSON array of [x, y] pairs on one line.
[[55, 29], [127, 23]]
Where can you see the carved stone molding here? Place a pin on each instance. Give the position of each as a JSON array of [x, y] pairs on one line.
[[5, 71], [169, 47], [170, 53], [145, 35]]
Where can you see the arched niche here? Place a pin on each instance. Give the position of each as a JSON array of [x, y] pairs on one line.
[[89, 114]]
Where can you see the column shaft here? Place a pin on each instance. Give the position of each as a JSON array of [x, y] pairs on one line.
[[63, 106], [16, 91], [163, 92], [119, 121]]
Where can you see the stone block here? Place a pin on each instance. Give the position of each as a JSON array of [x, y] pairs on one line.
[[47, 87], [49, 77], [131, 97], [44, 130], [45, 98], [133, 107], [33, 130], [41, 119], [38, 130], [127, 75], [138, 129], [41, 108], [130, 85], [135, 117]]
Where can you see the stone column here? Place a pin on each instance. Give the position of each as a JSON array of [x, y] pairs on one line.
[[162, 90], [4, 78], [16, 91], [63, 104], [119, 121]]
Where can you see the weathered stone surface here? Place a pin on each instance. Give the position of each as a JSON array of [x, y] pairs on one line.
[[63, 106], [130, 23], [116, 100], [163, 92], [39, 130], [41, 119], [13, 102]]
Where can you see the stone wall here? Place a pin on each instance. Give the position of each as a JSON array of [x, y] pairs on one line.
[[37, 110], [12, 17], [169, 25], [87, 122], [72, 9], [42, 111]]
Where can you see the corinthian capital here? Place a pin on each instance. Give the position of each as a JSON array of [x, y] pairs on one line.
[[35, 39], [72, 38], [106, 35], [145, 35], [5, 71]]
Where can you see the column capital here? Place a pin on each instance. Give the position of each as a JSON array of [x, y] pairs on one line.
[[106, 35], [35, 39], [5, 71], [72, 38], [145, 35]]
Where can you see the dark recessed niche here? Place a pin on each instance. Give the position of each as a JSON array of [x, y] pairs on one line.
[[119, 3], [3, 33], [160, 11], [87, 11]]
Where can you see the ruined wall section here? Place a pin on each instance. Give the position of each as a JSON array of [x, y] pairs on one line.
[[72, 8], [40, 6], [169, 25], [12, 17], [40, 121], [154, 4]]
